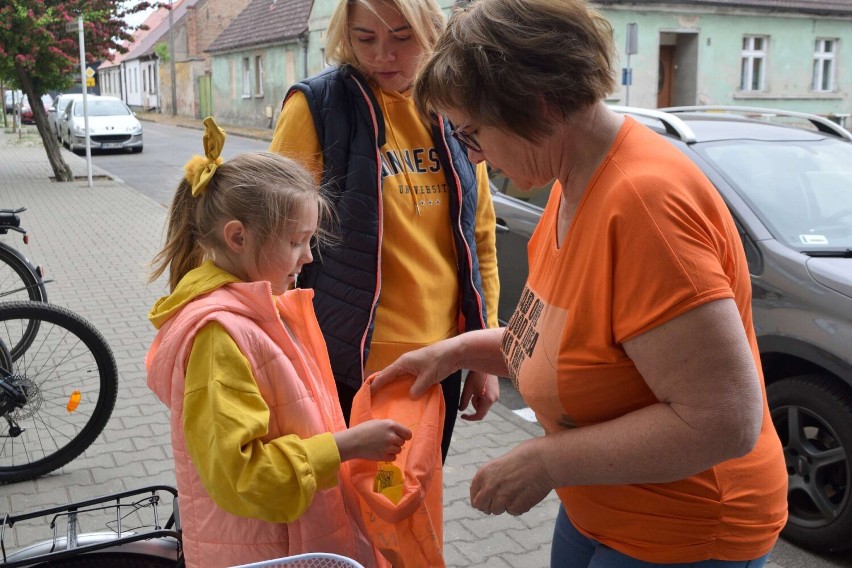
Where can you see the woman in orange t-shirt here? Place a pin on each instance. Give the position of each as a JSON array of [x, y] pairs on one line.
[[633, 339]]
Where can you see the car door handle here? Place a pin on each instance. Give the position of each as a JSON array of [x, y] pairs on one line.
[[500, 226]]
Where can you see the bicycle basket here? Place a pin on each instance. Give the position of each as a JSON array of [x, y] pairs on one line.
[[312, 560]]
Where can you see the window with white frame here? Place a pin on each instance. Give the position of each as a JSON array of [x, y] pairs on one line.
[[753, 69], [258, 75], [824, 55], [246, 77]]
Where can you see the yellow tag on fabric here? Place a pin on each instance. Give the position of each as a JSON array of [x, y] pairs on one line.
[[388, 482]]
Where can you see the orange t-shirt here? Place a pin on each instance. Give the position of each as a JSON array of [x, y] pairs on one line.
[[651, 240]]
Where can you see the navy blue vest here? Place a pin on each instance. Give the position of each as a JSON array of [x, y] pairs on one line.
[[346, 278]]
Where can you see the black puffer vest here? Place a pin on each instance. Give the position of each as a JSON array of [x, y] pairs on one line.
[[347, 279]]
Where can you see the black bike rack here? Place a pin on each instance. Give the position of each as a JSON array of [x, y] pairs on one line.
[[71, 511]]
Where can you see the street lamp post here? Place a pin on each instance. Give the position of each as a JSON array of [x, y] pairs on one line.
[[70, 27], [172, 59]]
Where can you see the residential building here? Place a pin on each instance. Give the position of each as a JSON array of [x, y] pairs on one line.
[[788, 54], [258, 56], [194, 30], [267, 48], [130, 77]]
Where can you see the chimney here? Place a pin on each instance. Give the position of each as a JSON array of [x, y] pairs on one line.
[[191, 37]]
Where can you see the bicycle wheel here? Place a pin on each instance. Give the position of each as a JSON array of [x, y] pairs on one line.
[[20, 281], [69, 381]]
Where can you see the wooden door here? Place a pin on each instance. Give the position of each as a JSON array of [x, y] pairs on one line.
[[665, 80]]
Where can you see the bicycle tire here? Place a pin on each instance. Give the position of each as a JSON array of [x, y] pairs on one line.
[[71, 380], [110, 560], [19, 280]]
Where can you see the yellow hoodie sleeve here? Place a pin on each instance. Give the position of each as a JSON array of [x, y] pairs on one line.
[[224, 419], [486, 246], [295, 135]]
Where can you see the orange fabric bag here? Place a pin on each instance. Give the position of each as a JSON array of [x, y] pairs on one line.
[[402, 503]]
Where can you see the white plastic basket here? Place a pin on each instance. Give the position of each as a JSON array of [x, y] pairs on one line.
[[312, 560]]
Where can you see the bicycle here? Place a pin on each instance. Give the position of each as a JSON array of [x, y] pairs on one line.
[[20, 279], [56, 394]]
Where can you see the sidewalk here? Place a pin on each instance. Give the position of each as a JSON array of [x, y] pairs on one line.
[[186, 122], [96, 244]]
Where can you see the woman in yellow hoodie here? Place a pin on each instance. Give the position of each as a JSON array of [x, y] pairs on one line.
[[259, 441], [417, 262]]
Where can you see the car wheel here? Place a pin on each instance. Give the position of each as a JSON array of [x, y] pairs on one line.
[[137, 150], [813, 417]]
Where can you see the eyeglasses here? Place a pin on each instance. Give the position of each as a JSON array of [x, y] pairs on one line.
[[466, 139]]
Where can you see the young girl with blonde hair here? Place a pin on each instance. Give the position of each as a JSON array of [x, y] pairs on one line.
[[259, 440]]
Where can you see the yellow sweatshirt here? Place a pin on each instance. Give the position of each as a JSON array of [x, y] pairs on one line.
[[419, 301]]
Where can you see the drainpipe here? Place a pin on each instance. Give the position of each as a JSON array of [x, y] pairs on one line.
[[122, 81], [303, 43]]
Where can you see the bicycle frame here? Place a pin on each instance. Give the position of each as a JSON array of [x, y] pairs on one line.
[[163, 541]]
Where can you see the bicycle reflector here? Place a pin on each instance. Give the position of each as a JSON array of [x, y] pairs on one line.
[[73, 401]]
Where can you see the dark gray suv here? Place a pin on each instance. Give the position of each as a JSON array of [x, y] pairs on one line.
[[787, 179]]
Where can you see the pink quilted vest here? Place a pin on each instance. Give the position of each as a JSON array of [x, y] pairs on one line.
[[289, 375]]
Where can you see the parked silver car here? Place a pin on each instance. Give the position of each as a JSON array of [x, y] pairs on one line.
[[12, 98], [112, 125], [790, 192], [54, 113]]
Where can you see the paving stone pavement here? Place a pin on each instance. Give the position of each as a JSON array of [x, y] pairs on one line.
[[96, 244]]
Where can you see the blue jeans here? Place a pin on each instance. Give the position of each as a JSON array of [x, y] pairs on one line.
[[571, 549]]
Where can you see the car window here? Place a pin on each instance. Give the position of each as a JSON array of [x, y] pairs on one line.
[[103, 108], [802, 190], [536, 196]]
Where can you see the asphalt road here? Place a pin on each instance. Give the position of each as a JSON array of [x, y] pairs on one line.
[[156, 172]]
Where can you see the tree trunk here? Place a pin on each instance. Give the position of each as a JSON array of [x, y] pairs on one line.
[[61, 170]]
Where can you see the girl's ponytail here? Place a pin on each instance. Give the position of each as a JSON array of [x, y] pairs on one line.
[[182, 251]]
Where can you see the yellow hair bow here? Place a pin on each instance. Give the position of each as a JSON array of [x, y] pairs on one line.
[[199, 169]]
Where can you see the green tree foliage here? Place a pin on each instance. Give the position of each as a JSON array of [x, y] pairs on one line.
[[38, 55]]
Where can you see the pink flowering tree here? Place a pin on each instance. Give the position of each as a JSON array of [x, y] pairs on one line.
[[38, 55]]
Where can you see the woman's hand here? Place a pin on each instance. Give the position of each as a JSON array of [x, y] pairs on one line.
[[480, 390], [513, 483], [430, 365], [377, 440]]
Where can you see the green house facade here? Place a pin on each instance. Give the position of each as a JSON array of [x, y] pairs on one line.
[[255, 60], [764, 53]]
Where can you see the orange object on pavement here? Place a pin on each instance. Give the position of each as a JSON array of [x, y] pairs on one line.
[[402, 502]]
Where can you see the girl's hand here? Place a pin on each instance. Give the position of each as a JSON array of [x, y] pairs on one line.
[[377, 440]]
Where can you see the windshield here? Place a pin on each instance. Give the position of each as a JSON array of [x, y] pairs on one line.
[[802, 190], [102, 108]]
